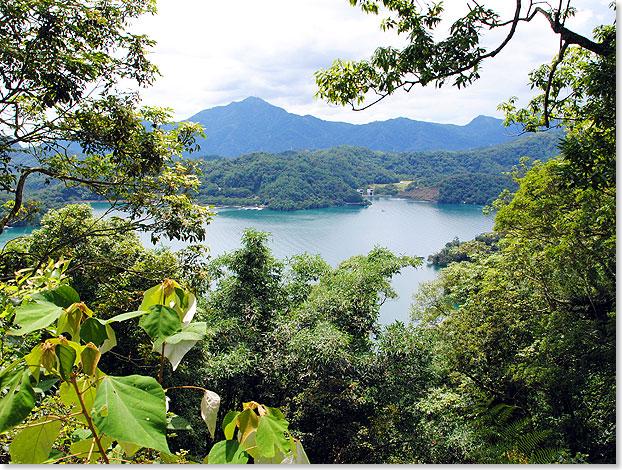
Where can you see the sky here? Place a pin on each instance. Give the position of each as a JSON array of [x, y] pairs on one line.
[[211, 53]]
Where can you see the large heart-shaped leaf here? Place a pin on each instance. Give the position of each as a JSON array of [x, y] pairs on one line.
[[160, 323], [271, 433], [132, 409], [43, 309], [33, 444], [19, 401]]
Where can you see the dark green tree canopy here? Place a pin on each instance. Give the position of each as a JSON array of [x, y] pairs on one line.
[[63, 116], [425, 60]]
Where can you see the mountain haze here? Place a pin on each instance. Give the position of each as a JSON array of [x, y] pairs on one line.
[[253, 125]]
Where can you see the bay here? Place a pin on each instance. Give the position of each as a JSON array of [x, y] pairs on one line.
[[403, 226]]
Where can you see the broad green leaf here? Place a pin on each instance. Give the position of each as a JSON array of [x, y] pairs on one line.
[[210, 404], [62, 296], [271, 433], [132, 409], [66, 359], [35, 315], [153, 296], [160, 323], [229, 424], [92, 331], [224, 452], [19, 401], [87, 447], [33, 444], [43, 309]]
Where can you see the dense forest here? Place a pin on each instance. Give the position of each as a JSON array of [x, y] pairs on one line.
[[331, 177], [114, 353]]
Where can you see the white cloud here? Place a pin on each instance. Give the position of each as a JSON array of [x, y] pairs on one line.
[[211, 53]]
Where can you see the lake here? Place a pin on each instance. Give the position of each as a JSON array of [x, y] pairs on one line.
[[404, 226]]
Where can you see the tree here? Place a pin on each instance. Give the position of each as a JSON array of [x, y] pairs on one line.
[[63, 116], [458, 57]]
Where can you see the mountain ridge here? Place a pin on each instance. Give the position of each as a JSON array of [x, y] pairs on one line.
[[254, 125]]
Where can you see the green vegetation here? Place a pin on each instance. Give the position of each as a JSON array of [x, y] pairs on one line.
[[331, 177], [510, 356]]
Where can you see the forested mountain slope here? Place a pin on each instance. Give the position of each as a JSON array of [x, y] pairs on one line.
[[253, 125], [304, 179]]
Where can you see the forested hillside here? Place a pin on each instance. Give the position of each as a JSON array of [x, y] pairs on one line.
[[331, 177]]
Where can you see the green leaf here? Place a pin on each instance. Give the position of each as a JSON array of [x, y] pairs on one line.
[[177, 423], [33, 444], [271, 433], [90, 358], [153, 296], [132, 409], [35, 315], [129, 448], [111, 342], [66, 359], [33, 359], [247, 422], [210, 404], [83, 449], [225, 452], [126, 316], [183, 341], [160, 323], [62, 296], [229, 424], [19, 401], [92, 331]]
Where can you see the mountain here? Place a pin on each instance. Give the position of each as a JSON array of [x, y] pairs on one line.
[[253, 125]]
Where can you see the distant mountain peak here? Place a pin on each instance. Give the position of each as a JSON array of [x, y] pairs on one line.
[[255, 125]]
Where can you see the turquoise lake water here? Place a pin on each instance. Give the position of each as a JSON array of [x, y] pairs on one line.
[[401, 225]]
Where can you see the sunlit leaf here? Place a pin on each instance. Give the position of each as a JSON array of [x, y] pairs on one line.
[[90, 358], [19, 401], [160, 323], [33, 444], [229, 424], [132, 409], [271, 433], [248, 421], [227, 452], [210, 404], [82, 449]]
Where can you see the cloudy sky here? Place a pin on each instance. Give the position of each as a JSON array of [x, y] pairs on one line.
[[211, 53]]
